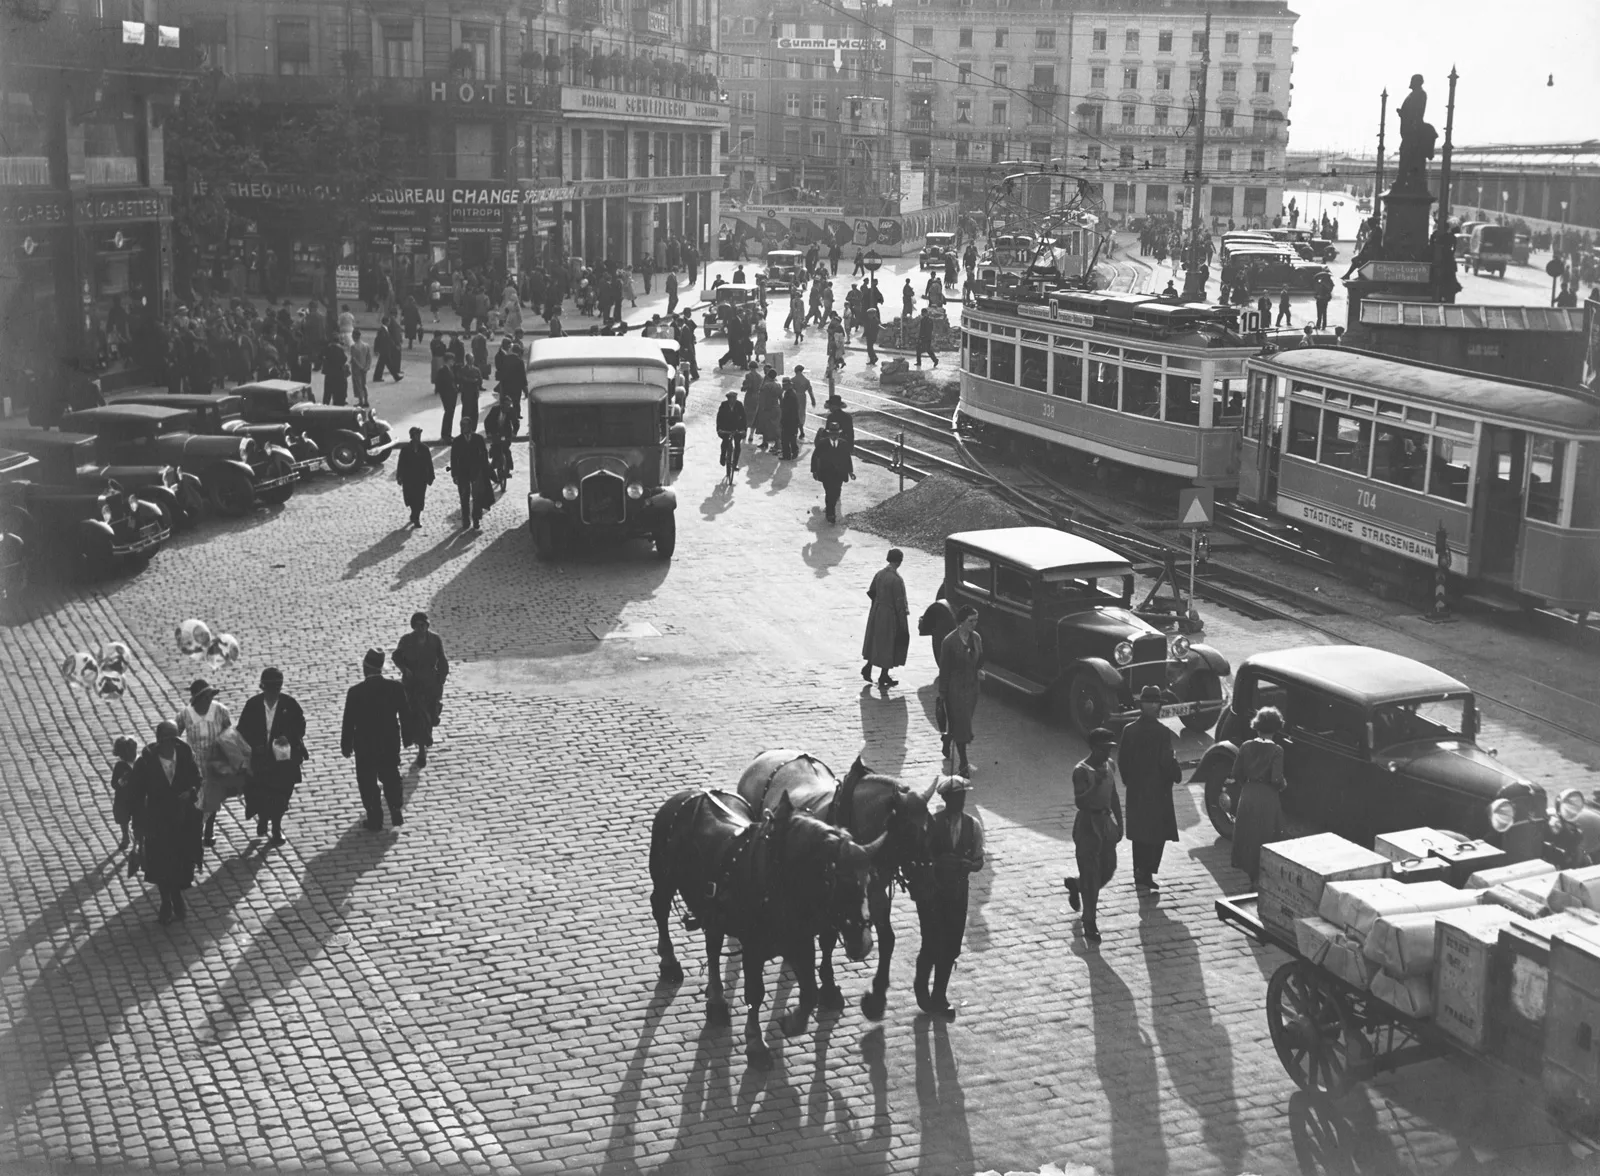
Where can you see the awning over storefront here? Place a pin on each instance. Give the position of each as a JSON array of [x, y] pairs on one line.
[[678, 199]]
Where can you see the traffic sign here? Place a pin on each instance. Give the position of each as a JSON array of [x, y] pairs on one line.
[[1197, 507]]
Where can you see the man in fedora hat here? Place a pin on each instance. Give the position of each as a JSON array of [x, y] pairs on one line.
[[952, 851], [1095, 830], [376, 723], [1147, 760], [414, 471], [831, 465]]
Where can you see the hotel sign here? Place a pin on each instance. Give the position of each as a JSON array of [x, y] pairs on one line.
[[491, 94], [640, 107]]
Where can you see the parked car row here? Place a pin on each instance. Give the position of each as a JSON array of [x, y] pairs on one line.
[[108, 487]]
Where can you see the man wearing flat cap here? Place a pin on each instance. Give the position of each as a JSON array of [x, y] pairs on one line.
[[414, 471], [1147, 760], [377, 722], [952, 850], [1095, 830]]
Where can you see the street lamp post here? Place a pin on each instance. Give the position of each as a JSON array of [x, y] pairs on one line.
[[1505, 202]]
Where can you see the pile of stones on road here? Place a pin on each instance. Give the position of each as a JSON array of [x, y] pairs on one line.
[[939, 505]]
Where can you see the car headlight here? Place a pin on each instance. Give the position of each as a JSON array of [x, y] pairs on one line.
[[1180, 647], [569, 492], [1502, 815], [133, 504], [1570, 804], [1123, 653], [246, 448], [634, 490], [169, 476], [106, 512]]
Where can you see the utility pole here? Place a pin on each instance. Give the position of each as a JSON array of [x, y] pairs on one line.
[[1377, 183], [1193, 282], [1444, 160]]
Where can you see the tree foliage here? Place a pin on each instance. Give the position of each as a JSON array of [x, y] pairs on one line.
[[205, 149]]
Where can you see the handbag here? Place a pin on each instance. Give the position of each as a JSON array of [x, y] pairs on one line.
[[941, 716]]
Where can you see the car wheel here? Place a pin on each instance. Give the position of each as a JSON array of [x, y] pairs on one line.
[[1085, 703], [1204, 686], [278, 495], [666, 537], [345, 456], [543, 535], [1215, 774], [232, 492]]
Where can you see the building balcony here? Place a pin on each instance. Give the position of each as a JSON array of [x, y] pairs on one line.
[[24, 171], [917, 126]]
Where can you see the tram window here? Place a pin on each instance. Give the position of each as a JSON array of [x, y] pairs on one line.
[[1230, 401], [1450, 472], [1335, 397], [1400, 457], [1183, 400], [1454, 424], [1586, 491], [1346, 442], [1141, 392], [1067, 379], [1102, 383], [1362, 403], [1035, 368], [1311, 391], [978, 355], [1544, 478], [1303, 421], [1003, 362], [977, 573], [1389, 408]]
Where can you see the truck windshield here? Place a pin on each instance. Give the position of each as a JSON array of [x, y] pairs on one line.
[[600, 424], [1425, 718]]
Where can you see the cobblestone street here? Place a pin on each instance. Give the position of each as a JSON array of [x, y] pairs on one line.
[[477, 991]]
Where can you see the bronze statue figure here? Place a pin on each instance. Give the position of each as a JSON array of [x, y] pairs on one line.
[[1416, 140]]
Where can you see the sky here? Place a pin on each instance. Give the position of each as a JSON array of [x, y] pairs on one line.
[[1505, 52]]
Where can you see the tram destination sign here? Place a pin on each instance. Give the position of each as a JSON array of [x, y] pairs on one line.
[[1054, 313], [1420, 548]]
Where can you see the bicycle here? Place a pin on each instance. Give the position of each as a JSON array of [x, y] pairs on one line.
[[731, 445]]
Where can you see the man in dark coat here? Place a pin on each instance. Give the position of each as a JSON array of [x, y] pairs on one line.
[[953, 851], [413, 469], [163, 794], [888, 635], [831, 465], [444, 387], [423, 667], [789, 423], [469, 470], [376, 723], [274, 726], [871, 324], [335, 373], [1147, 759], [845, 420], [925, 338], [469, 386], [672, 293]]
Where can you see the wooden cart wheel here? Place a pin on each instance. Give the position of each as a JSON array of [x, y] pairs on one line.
[[1311, 1029]]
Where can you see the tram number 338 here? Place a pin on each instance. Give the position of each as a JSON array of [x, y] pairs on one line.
[[1367, 499]]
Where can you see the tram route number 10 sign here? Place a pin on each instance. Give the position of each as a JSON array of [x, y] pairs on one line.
[[1197, 507]]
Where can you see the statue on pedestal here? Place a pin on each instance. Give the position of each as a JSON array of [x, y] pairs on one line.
[[1416, 140]]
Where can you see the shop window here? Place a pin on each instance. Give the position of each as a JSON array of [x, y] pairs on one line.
[[1003, 362], [111, 147], [1222, 196], [978, 358], [641, 153], [617, 155], [294, 47], [1346, 442], [595, 149], [1035, 368], [1103, 383], [1155, 195], [1255, 202], [1545, 456], [1067, 379], [1400, 457]]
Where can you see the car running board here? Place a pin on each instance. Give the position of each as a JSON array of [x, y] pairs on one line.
[[1015, 681]]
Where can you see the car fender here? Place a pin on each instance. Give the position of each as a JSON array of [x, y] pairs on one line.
[[219, 467], [677, 435], [276, 450], [1107, 673], [165, 495], [351, 435], [95, 531], [661, 502], [1206, 657], [540, 507]]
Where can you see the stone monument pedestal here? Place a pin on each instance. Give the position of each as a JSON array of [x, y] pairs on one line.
[[1407, 226]]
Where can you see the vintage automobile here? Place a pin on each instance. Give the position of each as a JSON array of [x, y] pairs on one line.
[[600, 439], [786, 268], [92, 530], [1521, 246], [348, 435], [1374, 742], [719, 301], [1056, 614], [1490, 249], [59, 458], [1306, 243], [237, 472], [223, 412], [1272, 268], [937, 248]]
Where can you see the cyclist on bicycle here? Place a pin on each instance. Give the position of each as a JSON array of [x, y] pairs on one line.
[[731, 427]]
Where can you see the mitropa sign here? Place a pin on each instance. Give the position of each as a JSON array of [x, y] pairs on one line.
[[492, 94], [642, 107]]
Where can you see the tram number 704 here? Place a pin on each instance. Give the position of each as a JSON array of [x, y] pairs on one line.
[[1367, 499]]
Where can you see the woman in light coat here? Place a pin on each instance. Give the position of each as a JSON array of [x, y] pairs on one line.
[[201, 724], [1258, 768]]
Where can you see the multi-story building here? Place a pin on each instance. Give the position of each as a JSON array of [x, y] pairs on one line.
[[591, 127], [85, 206], [808, 117], [1103, 90]]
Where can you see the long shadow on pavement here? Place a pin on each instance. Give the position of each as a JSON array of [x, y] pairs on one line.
[[390, 545], [1126, 1063], [942, 1107], [63, 912], [884, 721], [620, 1150], [827, 550]]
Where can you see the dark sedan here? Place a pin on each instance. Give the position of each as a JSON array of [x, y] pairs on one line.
[[349, 436]]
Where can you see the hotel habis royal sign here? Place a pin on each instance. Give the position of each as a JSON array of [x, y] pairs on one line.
[[615, 104]]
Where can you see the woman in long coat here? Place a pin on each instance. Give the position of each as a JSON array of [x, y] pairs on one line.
[[960, 659], [163, 792], [1258, 767], [888, 635], [768, 417], [277, 749]]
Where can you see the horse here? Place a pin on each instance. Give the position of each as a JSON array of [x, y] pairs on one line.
[[871, 807], [774, 882]]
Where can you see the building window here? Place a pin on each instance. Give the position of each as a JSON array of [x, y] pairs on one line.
[[1044, 38], [786, 30], [747, 67], [997, 114], [475, 151], [1130, 78], [476, 39], [1094, 155], [923, 37], [1040, 115], [791, 141], [398, 61], [999, 148], [922, 71], [963, 110], [1264, 45], [808, 69], [1163, 79], [1188, 159], [1002, 76], [1164, 41], [1224, 159], [963, 73], [819, 142], [1125, 156], [1197, 42], [819, 106], [1000, 38], [791, 67], [1194, 78], [617, 155], [1090, 118], [1158, 157], [1044, 77], [791, 104], [1162, 113], [1039, 149], [1230, 44], [294, 47], [1230, 81], [1258, 160], [596, 155], [1263, 82], [1130, 114], [1097, 77], [1225, 117], [1222, 200], [747, 141], [747, 101], [1099, 41], [964, 38], [963, 150], [210, 34], [1130, 41]]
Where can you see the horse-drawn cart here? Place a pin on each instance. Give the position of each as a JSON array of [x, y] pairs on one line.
[[1331, 1034]]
